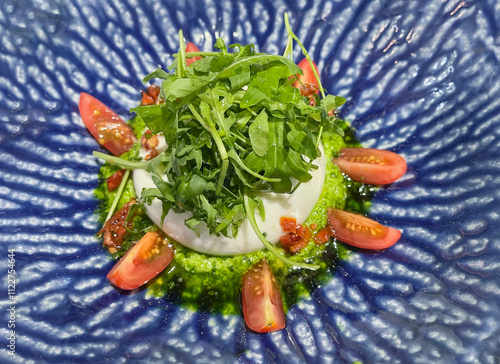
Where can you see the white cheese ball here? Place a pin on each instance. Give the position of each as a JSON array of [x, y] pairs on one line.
[[299, 205]]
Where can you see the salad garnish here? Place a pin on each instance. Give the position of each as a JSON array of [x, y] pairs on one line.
[[234, 128], [236, 124]]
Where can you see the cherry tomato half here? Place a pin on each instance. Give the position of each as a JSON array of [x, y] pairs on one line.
[[190, 47], [308, 74], [105, 125], [261, 297], [371, 166], [115, 179], [360, 231], [141, 263]]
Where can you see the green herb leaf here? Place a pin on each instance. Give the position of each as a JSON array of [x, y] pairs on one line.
[[158, 118], [332, 102], [158, 73], [258, 132]]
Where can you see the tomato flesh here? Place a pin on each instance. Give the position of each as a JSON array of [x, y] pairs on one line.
[[191, 47], [151, 96], [307, 77], [322, 236], [261, 298], [360, 231], [294, 242], [105, 125], [288, 224], [115, 179], [371, 166], [115, 229], [141, 263]]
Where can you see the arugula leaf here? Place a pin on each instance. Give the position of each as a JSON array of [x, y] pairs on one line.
[[174, 88], [332, 102], [158, 73], [164, 188], [193, 185], [302, 141], [220, 44], [258, 131], [239, 163], [240, 78], [298, 166], [158, 118]]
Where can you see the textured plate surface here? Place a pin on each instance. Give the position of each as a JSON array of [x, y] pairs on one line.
[[422, 78]]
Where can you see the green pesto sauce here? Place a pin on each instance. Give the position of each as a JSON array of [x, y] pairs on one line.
[[213, 283]]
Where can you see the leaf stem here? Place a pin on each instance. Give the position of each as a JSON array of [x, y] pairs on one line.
[[304, 52], [122, 162], [222, 175], [289, 42], [220, 146], [197, 54], [181, 64], [234, 156], [118, 195]]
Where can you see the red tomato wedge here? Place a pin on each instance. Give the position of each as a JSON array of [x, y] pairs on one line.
[[308, 74], [360, 231], [141, 263], [115, 179], [261, 297], [371, 166], [105, 125], [190, 47]]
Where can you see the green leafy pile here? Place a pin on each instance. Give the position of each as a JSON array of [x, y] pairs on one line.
[[235, 127]]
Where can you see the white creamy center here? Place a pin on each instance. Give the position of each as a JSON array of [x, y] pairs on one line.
[[299, 205]]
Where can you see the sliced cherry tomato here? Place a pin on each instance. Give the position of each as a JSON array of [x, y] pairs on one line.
[[322, 236], [372, 166], [360, 231], [141, 263], [288, 224], [191, 48], [305, 237], [151, 96], [297, 237], [147, 99], [105, 125], [154, 91], [307, 77], [115, 229], [261, 297], [115, 179]]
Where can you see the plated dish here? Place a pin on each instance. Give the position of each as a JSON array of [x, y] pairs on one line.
[[419, 79], [238, 160]]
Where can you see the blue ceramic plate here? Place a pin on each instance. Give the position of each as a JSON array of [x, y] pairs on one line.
[[422, 78]]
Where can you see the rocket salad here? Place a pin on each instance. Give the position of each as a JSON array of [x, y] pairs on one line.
[[224, 129]]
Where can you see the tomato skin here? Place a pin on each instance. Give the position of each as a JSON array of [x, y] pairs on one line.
[[115, 179], [191, 47], [141, 263], [360, 231], [261, 298], [371, 166], [147, 99], [115, 228], [105, 125], [288, 224], [151, 96], [297, 237], [322, 236], [308, 75]]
